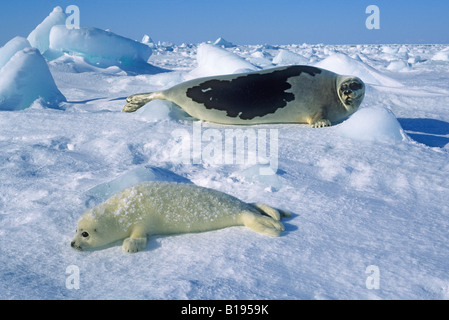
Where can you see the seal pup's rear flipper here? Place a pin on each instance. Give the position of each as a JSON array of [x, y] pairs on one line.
[[276, 214], [262, 224]]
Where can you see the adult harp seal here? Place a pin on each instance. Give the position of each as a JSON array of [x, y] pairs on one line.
[[292, 94]]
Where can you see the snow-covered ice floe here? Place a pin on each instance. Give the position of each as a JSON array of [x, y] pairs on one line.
[[26, 78], [373, 124], [99, 47]]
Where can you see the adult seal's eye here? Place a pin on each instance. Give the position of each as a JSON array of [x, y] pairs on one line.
[[85, 234], [355, 86]]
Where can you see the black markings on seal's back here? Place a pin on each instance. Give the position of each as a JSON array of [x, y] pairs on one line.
[[251, 95]]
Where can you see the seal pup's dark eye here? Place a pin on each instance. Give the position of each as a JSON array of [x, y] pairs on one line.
[[85, 234]]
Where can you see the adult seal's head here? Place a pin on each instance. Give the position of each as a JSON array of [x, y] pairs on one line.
[[351, 91]]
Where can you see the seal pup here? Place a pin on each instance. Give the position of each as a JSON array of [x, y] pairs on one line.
[[292, 94], [157, 208]]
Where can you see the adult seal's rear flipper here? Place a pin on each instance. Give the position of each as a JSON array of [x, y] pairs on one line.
[[293, 94], [137, 101]]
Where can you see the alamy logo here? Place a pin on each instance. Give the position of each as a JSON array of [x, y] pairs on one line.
[[73, 20], [228, 147], [373, 280], [73, 279], [373, 20]]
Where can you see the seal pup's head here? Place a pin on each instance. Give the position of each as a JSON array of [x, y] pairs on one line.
[[351, 91], [84, 236], [96, 229]]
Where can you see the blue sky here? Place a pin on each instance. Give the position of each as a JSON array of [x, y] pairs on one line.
[[244, 21]]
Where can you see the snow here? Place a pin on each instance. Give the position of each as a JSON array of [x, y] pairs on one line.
[[398, 65], [105, 190], [442, 55], [343, 64], [375, 123], [146, 39], [99, 47], [224, 43], [40, 36], [11, 48], [213, 60], [367, 194], [286, 57], [25, 79]]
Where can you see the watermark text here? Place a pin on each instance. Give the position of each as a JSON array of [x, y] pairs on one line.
[[373, 20], [227, 147], [73, 20], [373, 280], [73, 279]]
